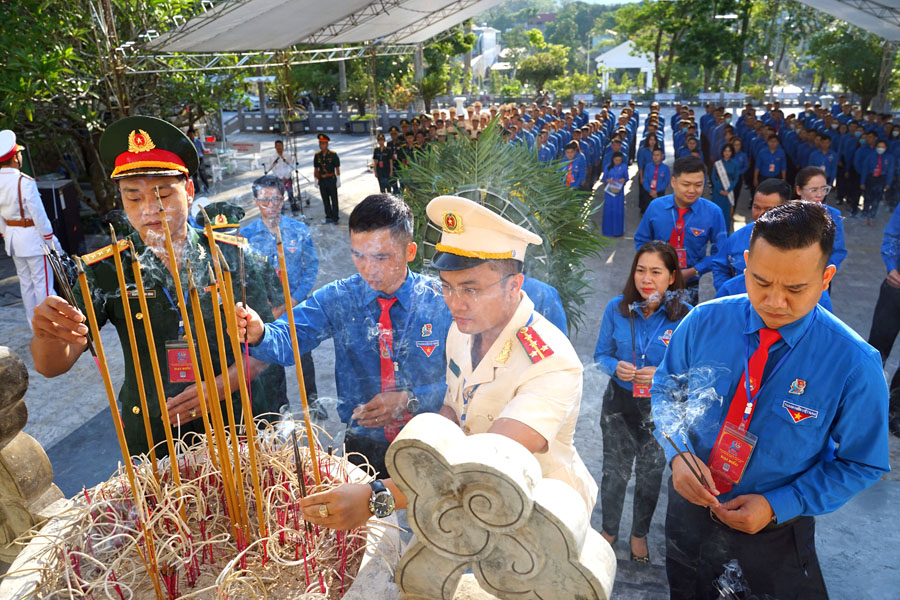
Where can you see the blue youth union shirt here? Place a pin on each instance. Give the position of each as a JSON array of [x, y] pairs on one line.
[[730, 259], [651, 334], [704, 226], [830, 386], [546, 301], [299, 252], [347, 311]]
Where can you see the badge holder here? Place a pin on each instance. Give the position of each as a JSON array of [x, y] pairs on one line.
[[178, 357], [640, 391], [732, 452], [682, 258]]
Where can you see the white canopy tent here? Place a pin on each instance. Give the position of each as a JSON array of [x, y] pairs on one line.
[[246, 25], [625, 56], [881, 17]]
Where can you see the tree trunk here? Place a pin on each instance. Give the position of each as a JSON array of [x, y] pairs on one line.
[[742, 42], [661, 83]]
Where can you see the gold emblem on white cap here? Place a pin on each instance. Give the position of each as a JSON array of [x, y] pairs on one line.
[[452, 223]]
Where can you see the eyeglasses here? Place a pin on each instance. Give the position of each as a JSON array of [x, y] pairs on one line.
[[269, 200], [469, 294], [824, 189]]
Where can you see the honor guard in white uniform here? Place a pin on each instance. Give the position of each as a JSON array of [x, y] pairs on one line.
[[24, 226]]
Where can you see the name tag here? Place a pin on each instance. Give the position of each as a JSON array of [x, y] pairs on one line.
[[732, 452], [178, 358]]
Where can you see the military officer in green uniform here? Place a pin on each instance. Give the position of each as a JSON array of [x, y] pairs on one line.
[[327, 170], [395, 144], [146, 157], [383, 164]]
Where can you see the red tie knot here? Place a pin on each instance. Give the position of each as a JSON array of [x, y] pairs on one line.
[[386, 303], [767, 337]]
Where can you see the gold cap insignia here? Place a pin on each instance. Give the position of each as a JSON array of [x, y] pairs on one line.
[[221, 220], [139, 141], [452, 223]]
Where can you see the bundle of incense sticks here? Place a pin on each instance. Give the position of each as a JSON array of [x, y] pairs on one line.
[[697, 472], [60, 275]]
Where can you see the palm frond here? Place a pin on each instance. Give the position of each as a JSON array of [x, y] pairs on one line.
[[510, 180]]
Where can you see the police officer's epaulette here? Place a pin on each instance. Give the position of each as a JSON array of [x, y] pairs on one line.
[[227, 238], [26, 176], [106, 252], [534, 346]]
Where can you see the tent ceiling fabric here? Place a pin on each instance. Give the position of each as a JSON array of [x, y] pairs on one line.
[[881, 17], [238, 25]]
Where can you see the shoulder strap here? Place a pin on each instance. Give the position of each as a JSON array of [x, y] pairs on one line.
[[21, 209]]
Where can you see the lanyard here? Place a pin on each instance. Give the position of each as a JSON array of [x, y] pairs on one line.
[[751, 398], [642, 346], [177, 310]]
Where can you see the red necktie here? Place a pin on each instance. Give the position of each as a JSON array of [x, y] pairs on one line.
[[386, 353], [653, 186], [677, 236], [738, 406], [877, 172], [570, 177]]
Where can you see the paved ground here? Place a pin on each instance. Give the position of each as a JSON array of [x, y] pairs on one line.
[[857, 544]]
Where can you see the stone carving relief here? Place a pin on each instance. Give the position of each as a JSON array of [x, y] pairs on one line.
[[479, 502]]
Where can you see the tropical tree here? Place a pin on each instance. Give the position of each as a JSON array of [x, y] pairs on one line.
[[543, 66], [851, 58]]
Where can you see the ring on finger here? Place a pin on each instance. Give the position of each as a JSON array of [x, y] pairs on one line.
[[323, 511], [193, 413]]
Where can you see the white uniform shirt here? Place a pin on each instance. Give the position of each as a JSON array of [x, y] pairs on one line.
[[280, 166], [509, 384], [22, 241]]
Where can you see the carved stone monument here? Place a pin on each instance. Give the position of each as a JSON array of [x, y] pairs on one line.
[[27, 492], [479, 502]]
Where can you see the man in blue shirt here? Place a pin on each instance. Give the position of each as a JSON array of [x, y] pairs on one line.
[[729, 262], [770, 162], [809, 379], [886, 317], [299, 256], [388, 325], [687, 221], [655, 181], [825, 158]]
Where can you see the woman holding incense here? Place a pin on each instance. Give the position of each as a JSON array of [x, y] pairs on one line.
[[636, 329], [151, 162]]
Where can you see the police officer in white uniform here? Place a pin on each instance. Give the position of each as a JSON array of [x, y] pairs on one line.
[[24, 226]]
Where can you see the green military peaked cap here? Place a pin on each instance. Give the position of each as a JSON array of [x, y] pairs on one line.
[[147, 146]]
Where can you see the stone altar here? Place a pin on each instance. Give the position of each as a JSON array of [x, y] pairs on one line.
[[480, 503], [27, 494]]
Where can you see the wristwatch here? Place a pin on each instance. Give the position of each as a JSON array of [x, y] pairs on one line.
[[381, 504], [412, 404]]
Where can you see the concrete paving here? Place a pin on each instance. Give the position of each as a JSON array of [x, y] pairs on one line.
[[856, 544]]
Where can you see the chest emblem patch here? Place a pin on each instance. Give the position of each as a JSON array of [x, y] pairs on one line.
[[666, 337], [426, 329], [798, 386], [697, 232], [428, 346], [799, 413]]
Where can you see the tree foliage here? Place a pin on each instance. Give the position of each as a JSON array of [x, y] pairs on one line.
[[543, 66], [60, 85], [849, 57]]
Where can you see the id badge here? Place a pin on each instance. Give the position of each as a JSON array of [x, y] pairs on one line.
[[641, 391], [380, 164], [178, 357], [732, 452], [682, 258], [772, 168]]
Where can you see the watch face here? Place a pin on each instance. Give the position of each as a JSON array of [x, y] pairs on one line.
[[382, 504], [412, 406]]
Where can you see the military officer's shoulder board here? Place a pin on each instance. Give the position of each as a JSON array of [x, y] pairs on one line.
[[105, 252], [232, 240], [533, 344]]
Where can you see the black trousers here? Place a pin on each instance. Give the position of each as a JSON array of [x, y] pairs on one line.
[[628, 440], [644, 199], [384, 184], [778, 561], [883, 332], [328, 189], [373, 450], [873, 195]]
